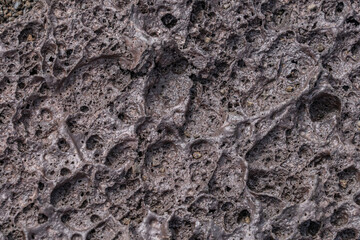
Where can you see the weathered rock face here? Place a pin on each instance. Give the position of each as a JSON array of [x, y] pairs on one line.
[[180, 119]]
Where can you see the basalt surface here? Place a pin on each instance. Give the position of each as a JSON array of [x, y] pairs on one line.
[[180, 119]]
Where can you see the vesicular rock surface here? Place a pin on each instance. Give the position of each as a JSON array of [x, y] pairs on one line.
[[180, 119]]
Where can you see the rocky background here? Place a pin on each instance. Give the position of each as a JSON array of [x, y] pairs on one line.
[[179, 119]]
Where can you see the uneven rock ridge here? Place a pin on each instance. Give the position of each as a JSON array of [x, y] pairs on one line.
[[179, 119]]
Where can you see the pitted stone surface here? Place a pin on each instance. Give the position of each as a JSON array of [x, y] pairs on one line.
[[186, 119]]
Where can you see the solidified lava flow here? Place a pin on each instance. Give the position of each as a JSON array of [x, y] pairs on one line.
[[180, 119]]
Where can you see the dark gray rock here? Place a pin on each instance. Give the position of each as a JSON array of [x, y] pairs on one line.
[[180, 119]]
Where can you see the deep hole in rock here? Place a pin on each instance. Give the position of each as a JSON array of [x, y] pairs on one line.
[[93, 142], [169, 20], [309, 227], [322, 105], [244, 216], [63, 144]]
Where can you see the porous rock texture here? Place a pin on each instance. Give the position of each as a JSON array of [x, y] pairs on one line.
[[181, 119]]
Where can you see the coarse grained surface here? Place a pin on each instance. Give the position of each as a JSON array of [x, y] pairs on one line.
[[180, 119]]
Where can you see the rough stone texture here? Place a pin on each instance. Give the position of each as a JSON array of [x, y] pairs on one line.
[[11, 9], [181, 119]]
